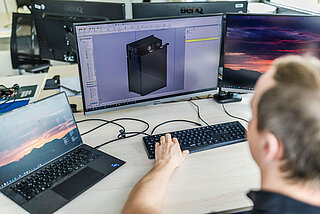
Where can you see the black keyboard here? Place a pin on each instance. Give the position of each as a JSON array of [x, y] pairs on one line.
[[47, 176], [202, 138]]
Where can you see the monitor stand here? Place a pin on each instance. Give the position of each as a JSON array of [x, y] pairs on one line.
[[226, 97]]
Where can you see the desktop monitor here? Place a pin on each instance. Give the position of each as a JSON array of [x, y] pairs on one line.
[[54, 24], [150, 10], [252, 42], [137, 62]]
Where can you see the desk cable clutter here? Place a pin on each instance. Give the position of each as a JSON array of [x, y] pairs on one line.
[[123, 133]]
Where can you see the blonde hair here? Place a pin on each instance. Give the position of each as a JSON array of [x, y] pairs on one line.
[[291, 111]]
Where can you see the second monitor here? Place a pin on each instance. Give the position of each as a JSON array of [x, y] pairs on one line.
[[252, 42], [54, 23]]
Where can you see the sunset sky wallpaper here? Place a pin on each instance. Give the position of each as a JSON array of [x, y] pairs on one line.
[[25, 147], [253, 42], [48, 123]]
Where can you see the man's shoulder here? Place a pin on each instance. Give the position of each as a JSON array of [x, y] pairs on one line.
[[276, 203]]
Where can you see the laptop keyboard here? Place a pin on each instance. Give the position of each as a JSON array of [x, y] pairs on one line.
[[47, 176], [203, 138]]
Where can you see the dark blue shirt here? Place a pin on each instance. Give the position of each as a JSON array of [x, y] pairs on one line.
[[275, 203]]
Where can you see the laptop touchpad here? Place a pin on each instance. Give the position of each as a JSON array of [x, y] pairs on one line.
[[77, 183]]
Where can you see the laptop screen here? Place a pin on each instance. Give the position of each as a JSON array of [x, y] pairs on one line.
[[33, 135]]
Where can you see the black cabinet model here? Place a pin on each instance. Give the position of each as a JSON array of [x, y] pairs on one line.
[[147, 65]]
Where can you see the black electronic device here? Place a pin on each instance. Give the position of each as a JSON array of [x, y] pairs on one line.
[[149, 10], [54, 22], [177, 57], [7, 92], [46, 164], [253, 41], [21, 3], [147, 65], [203, 138]]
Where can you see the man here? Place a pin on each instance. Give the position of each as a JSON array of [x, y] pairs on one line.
[[284, 139]]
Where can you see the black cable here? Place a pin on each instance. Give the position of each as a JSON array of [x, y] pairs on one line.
[[103, 144], [184, 100], [198, 111], [97, 127], [123, 134], [127, 133], [75, 92], [233, 115], [171, 121], [209, 96]]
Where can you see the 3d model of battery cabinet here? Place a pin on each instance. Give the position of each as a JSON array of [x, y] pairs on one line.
[[147, 65]]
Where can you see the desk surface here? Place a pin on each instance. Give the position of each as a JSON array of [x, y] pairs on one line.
[[209, 181]]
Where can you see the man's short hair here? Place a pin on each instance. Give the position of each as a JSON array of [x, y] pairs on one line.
[[291, 111]]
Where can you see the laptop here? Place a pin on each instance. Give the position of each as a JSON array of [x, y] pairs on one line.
[[43, 161]]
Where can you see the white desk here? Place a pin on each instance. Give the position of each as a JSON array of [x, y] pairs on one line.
[[213, 180]]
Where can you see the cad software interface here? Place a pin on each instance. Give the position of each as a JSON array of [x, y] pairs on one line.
[[46, 130], [130, 62], [254, 41]]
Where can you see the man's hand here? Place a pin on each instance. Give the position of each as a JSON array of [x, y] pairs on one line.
[[147, 195], [168, 150]]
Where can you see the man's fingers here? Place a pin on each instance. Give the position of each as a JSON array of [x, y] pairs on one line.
[[175, 140], [157, 145], [185, 153], [162, 139], [168, 138]]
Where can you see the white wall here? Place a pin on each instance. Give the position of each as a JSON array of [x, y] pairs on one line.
[[7, 6], [310, 5]]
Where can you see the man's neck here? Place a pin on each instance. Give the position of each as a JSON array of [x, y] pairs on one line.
[[274, 182]]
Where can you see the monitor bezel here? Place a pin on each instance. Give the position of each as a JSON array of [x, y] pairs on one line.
[[179, 4], [239, 88], [50, 8], [150, 101]]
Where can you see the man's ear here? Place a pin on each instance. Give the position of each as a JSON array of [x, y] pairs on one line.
[[272, 147]]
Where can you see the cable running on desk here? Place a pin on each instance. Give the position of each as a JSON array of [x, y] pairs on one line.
[[233, 115], [106, 122], [198, 111], [123, 134], [172, 121]]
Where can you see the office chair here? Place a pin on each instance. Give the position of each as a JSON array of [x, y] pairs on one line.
[[24, 46]]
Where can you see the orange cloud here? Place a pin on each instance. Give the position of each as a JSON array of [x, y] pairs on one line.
[[55, 133], [256, 64]]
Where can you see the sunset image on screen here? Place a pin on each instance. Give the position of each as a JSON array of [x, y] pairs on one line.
[[34, 135], [16, 154], [254, 41]]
